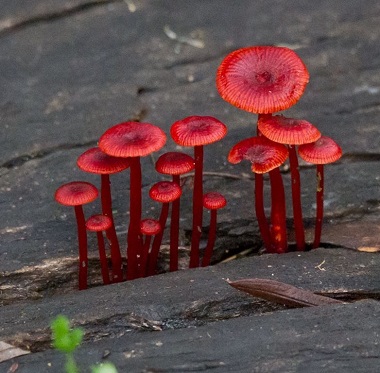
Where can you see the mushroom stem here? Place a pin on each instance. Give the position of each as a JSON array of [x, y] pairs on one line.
[[278, 212], [174, 229], [153, 256], [319, 202], [133, 236], [296, 198], [197, 207], [82, 243], [144, 256], [260, 213], [117, 274], [103, 258], [211, 239]]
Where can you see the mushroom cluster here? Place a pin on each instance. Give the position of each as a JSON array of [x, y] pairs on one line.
[[120, 148], [265, 80]]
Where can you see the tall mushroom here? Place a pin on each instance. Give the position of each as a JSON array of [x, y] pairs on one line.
[[99, 223], [163, 192], [197, 131], [134, 140], [266, 156], [78, 193], [324, 150], [95, 161], [291, 132], [212, 201], [174, 164]]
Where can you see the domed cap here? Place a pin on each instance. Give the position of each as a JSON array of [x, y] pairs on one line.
[[76, 193], [287, 130], [174, 163], [197, 130], [98, 223], [324, 150], [262, 79], [265, 155], [165, 191], [214, 201], [150, 227], [132, 139], [95, 161]]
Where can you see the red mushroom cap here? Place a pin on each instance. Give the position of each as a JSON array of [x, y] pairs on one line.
[[150, 227], [132, 139], [174, 163], [95, 161], [265, 155], [324, 150], [76, 193], [197, 130], [98, 223], [287, 130], [214, 201], [262, 79], [165, 191]]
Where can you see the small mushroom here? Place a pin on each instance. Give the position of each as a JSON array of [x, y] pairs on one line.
[[174, 164], [99, 223], [325, 150], [266, 156], [78, 193], [262, 79], [163, 192], [149, 228], [212, 201], [197, 131], [291, 132], [95, 161], [134, 140]]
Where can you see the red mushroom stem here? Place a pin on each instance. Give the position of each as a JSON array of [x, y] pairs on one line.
[[117, 273], [278, 212], [82, 244], [174, 230], [260, 213], [135, 208], [197, 207], [153, 255], [103, 258], [296, 198], [211, 239], [319, 202]]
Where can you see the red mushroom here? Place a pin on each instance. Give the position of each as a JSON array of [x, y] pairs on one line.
[[212, 201], [95, 161], [148, 228], [78, 193], [163, 192], [266, 156], [262, 79], [175, 164], [99, 223], [291, 132], [324, 150], [197, 131], [134, 140]]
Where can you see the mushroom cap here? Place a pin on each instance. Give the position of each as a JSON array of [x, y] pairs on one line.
[[214, 201], [324, 150], [95, 161], [76, 193], [197, 130], [287, 130], [150, 227], [174, 163], [262, 79], [98, 223], [165, 191], [132, 139], [264, 154]]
